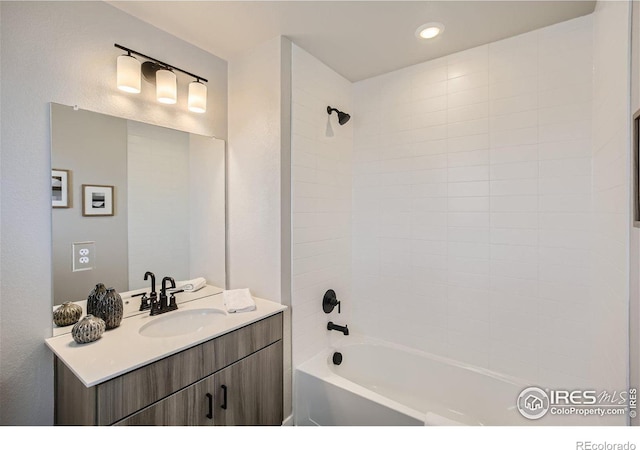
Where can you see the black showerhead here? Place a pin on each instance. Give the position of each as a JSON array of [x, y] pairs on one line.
[[342, 116]]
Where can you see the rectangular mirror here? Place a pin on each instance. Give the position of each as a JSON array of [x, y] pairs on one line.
[[129, 197]]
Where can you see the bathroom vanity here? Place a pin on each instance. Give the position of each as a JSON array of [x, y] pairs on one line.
[[198, 365]]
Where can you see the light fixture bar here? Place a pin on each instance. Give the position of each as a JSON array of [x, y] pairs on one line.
[[199, 78]]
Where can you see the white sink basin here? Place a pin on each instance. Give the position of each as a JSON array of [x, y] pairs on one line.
[[178, 323]]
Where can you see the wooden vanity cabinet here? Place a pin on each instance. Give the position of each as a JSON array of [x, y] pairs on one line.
[[245, 393], [250, 392], [234, 379]]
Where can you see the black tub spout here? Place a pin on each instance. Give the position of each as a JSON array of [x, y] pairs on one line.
[[333, 326]]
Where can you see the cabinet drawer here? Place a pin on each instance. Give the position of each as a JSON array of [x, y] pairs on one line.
[[135, 390], [248, 392], [190, 406]]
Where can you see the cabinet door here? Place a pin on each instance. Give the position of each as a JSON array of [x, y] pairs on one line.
[[249, 392], [191, 406], [129, 393]]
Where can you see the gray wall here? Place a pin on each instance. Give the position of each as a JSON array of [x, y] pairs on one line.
[[63, 52], [93, 147]]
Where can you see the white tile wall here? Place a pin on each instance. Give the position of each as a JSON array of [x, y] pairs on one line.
[[479, 208], [610, 268], [321, 197], [472, 203]]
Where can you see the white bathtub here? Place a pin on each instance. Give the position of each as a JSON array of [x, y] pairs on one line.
[[379, 383]]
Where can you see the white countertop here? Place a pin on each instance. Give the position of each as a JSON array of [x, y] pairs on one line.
[[123, 349], [131, 305]]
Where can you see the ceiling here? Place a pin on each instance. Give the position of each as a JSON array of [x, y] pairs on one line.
[[357, 39]]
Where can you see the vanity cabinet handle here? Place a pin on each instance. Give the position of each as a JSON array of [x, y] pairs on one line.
[[210, 413], [224, 397]]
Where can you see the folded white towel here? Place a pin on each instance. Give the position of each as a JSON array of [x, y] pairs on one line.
[[238, 300], [191, 285]]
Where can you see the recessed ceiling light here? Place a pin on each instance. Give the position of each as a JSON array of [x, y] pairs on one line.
[[429, 30]]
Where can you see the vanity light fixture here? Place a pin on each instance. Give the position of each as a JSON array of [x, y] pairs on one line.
[[128, 73], [163, 75], [166, 87], [197, 97]]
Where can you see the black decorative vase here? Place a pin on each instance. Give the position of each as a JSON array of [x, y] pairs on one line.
[[110, 308], [94, 298]]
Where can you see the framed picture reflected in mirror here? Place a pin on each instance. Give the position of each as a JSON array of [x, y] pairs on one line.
[[60, 188], [97, 200]]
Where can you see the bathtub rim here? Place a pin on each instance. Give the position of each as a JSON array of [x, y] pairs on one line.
[[320, 366], [358, 339]]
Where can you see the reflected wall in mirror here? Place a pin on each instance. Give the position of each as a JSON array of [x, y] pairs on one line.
[[168, 204]]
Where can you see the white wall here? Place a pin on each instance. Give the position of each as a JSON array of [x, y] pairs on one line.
[[158, 171], [472, 180], [258, 177], [176, 199], [207, 212], [611, 186], [63, 52], [255, 171], [321, 174]]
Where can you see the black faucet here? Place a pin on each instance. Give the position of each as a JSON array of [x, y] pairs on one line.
[[163, 291], [333, 326], [161, 305], [146, 302], [153, 283]]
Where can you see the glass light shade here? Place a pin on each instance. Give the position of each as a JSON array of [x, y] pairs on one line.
[[166, 88], [197, 97], [128, 74]]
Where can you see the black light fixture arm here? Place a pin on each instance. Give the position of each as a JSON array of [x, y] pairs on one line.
[[169, 66]]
